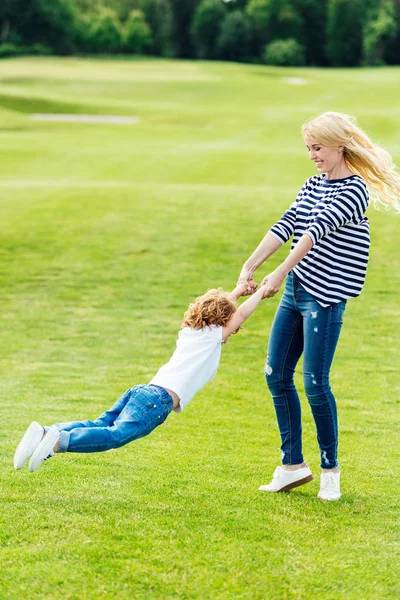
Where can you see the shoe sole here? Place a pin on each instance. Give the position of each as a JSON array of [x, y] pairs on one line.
[[35, 432], [329, 499], [49, 440], [294, 484]]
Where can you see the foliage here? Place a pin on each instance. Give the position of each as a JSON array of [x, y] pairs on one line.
[[332, 32], [313, 14], [259, 14], [9, 49], [137, 32], [392, 46], [344, 32], [379, 30], [158, 14], [274, 19], [284, 53], [206, 27], [234, 41], [51, 23], [183, 11], [105, 32]]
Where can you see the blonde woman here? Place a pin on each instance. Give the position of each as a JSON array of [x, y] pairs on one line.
[[207, 323], [326, 267]]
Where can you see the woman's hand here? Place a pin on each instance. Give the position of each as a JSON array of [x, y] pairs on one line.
[[273, 282], [246, 277]]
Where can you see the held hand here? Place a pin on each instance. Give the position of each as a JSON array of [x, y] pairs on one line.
[[241, 289], [272, 283], [246, 277]]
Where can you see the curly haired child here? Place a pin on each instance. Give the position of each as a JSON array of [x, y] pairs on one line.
[[207, 324]]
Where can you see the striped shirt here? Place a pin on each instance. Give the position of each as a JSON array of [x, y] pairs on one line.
[[331, 212]]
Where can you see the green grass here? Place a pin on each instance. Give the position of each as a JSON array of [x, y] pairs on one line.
[[106, 233]]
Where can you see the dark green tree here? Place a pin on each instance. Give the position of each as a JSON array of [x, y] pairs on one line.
[[273, 19], [344, 45], [106, 32], [159, 16], [137, 33], [183, 11], [313, 14], [234, 41], [51, 23], [392, 47], [284, 53], [206, 27], [380, 29]]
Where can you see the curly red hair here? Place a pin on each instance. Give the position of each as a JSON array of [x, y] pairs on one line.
[[215, 307]]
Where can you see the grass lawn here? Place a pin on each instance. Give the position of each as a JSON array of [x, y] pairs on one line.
[[107, 232]]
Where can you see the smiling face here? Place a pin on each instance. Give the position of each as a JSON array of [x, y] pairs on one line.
[[327, 159]]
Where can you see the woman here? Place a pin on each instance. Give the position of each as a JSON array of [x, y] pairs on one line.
[[326, 266]]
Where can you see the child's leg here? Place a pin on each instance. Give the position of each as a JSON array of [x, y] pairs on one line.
[[105, 420], [147, 407]]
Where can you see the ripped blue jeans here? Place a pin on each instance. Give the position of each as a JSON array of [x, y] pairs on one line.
[[302, 326]]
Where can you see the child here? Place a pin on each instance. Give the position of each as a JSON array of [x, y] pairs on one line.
[[206, 325]]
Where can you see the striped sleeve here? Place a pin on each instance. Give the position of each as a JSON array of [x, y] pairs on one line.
[[348, 206], [284, 228]]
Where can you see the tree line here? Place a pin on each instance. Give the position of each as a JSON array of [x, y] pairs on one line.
[[276, 32]]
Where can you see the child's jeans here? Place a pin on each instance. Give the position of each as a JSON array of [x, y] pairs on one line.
[[140, 410], [302, 326]]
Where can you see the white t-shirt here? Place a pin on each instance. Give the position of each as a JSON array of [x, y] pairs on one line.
[[193, 364]]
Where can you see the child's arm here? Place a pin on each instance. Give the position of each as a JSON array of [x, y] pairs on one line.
[[240, 290], [243, 312]]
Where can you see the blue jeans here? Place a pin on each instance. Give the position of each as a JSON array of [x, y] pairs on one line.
[[140, 410], [301, 325]]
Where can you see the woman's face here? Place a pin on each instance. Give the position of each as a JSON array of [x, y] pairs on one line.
[[326, 158]]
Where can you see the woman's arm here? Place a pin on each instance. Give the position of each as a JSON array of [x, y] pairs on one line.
[[273, 281], [279, 234], [264, 250]]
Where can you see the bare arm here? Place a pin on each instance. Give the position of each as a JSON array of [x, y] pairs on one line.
[[240, 290], [243, 312], [268, 245], [273, 281]]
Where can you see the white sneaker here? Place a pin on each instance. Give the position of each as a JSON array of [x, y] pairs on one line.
[[45, 449], [330, 486], [284, 480], [30, 441]]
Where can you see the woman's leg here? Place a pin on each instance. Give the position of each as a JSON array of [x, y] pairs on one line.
[[146, 408], [322, 328], [284, 350]]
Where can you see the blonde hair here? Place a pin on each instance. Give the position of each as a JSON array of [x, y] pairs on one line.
[[364, 158], [215, 307]]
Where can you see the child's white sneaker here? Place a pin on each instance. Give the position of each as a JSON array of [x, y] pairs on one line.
[[30, 441], [330, 486], [284, 480], [45, 449]]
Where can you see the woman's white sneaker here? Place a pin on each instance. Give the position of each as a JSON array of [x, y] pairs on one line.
[[30, 441], [45, 449], [330, 486], [284, 480]]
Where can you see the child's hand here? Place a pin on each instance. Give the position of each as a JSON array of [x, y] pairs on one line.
[[241, 289], [250, 286]]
